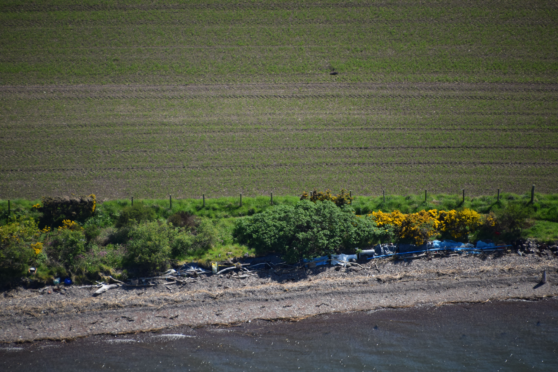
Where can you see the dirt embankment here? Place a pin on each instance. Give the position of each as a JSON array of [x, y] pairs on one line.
[[29, 315]]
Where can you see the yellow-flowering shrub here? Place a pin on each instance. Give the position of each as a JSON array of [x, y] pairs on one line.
[[421, 226], [69, 225], [394, 218], [37, 247], [340, 199], [17, 243], [416, 227], [459, 224]]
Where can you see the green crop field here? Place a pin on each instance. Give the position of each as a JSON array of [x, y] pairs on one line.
[[148, 98]]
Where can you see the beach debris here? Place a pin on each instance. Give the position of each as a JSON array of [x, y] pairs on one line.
[[56, 281], [318, 261], [192, 269], [32, 270], [170, 272], [342, 259], [67, 281], [543, 281], [105, 287]]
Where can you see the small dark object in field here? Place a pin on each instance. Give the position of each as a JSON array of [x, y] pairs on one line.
[[333, 73]]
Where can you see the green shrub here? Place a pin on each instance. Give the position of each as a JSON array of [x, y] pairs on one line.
[[182, 243], [17, 240], [91, 232], [135, 214], [149, 246], [66, 246], [307, 230], [512, 219], [184, 219]]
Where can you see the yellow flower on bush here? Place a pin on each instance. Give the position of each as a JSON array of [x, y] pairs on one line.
[[37, 206], [459, 224], [45, 230], [92, 196], [69, 225], [37, 247]]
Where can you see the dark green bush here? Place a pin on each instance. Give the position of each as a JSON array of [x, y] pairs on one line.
[[512, 219], [55, 210], [307, 230], [149, 246], [66, 246], [135, 214], [91, 232], [184, 219]]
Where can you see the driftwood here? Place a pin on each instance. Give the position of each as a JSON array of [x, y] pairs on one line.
[[104, 288]]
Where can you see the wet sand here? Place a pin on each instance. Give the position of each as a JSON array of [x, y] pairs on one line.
[[288, 294]]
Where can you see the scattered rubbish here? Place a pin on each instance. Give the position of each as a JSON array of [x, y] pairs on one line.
[[318, 261], [67, 281], [483, 245], [170, 272], [32, 270], [56, 281], [342, 259], [192, 269], [214, 267]]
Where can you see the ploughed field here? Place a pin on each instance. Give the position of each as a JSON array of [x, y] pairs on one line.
[[146, 99]]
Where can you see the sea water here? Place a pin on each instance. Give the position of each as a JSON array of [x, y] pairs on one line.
[[505, 336]]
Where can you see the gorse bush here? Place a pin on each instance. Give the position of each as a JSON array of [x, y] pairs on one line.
[[307, 230], [135, 214], [459, 224], [341, 199], [55, 210], [19, 246]]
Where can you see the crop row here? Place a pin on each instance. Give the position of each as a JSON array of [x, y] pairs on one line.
[[362, 180], [257, 158]]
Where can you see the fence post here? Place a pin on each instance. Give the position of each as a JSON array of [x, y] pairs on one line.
[[9, 208], [384, 193], [498, 195], [463, 202], [271, 198], [203, 196], [241, 199], [170, 201], [350, 197], [132, 201], [532, 194], [425, 195]]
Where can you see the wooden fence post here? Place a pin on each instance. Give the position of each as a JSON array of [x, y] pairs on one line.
[[9, 208], [132, 201], [241, 199], [203, 196], [532, 194], [384, 193], [271, 198], [425, 195], [350, 197], [498, 195], [463, 202], [170, 201]]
